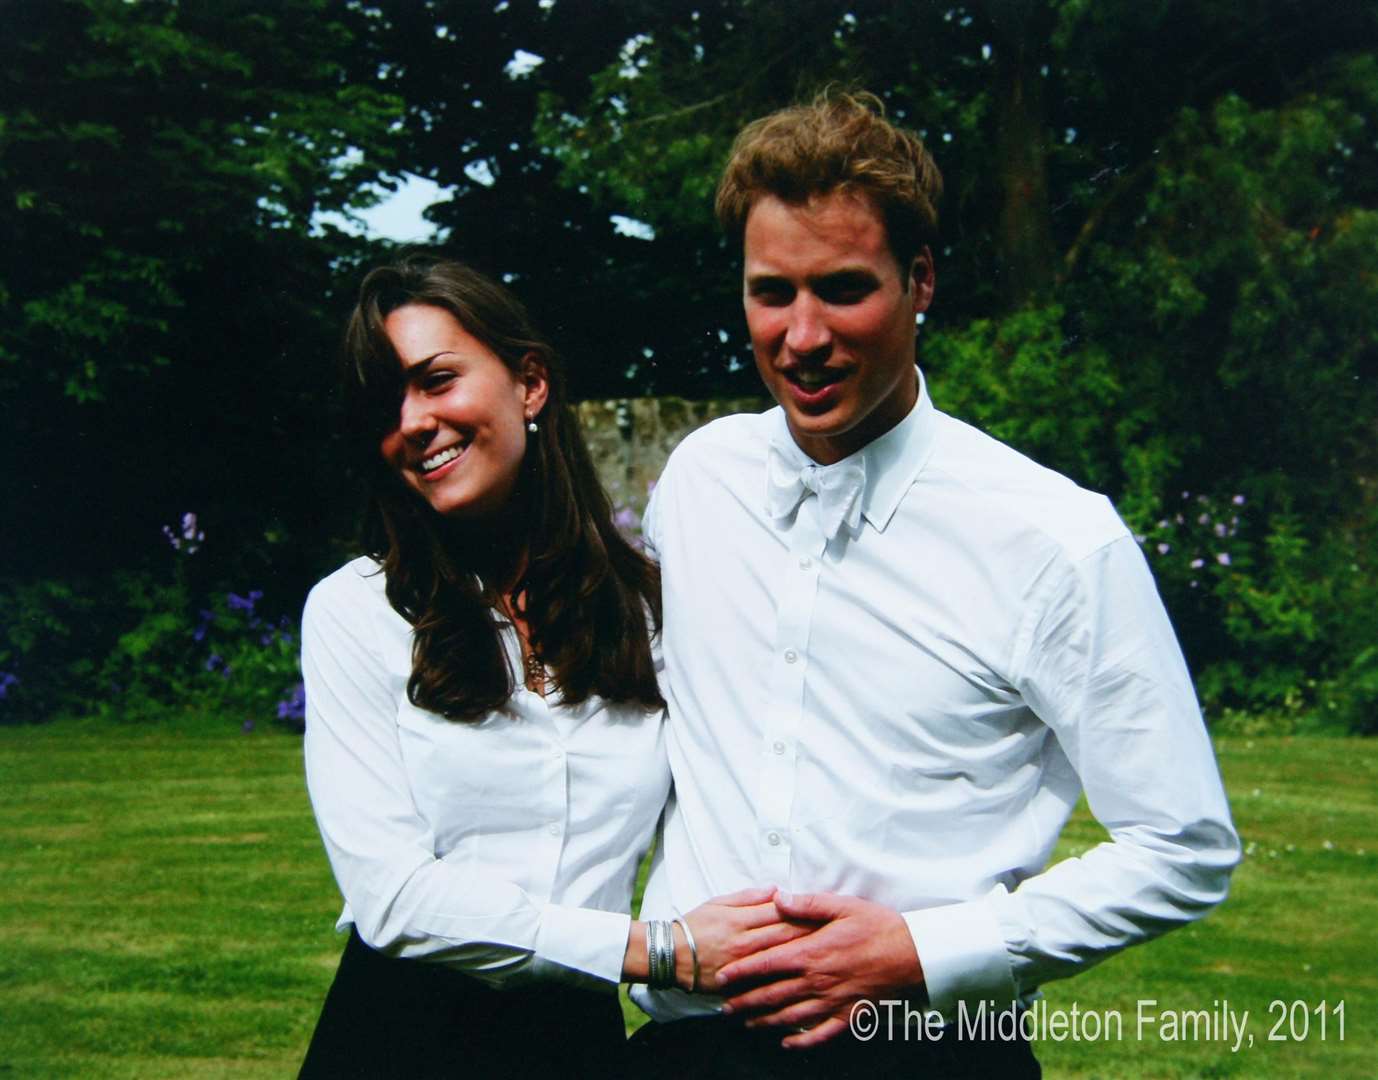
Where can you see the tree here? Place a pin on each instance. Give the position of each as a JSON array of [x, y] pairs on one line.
[[1158, 271], [168, 313]]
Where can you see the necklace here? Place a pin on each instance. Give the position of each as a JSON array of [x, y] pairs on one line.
[[533, 668]]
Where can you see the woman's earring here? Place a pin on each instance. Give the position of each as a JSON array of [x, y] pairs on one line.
[[531, 425]]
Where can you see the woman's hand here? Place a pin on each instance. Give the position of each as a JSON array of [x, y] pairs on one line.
[[728, 928]]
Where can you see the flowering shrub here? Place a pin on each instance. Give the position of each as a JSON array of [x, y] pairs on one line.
[[1274, 627], [251, 657], [48, 635], [145, 644], [628, 520]]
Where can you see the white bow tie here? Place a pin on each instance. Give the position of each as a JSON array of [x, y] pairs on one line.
[[838, 488]]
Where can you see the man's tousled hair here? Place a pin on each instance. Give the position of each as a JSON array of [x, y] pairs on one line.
[[838, 142]]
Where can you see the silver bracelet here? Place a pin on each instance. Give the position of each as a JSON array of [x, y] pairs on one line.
[[667, 956], [652, 953], [693, 951], [660, 955], [656, 947]]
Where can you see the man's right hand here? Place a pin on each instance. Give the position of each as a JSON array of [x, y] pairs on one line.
[[860, 951]]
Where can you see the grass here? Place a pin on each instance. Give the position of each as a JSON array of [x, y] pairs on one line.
[[167, 912]]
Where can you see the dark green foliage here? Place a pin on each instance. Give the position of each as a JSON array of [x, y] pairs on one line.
[[48, 646], [1158, 274], [168, 318], [1023, 381], [141, 648]]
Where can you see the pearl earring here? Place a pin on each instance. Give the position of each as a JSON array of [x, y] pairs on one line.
[[531, 426]]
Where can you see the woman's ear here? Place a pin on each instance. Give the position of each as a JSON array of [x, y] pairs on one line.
[[535, 377]]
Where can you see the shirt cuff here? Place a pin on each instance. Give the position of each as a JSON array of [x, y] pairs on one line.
[[963, 956], [584, 939]]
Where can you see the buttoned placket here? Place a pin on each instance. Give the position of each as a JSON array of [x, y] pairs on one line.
[[538, 710], [780, 739]]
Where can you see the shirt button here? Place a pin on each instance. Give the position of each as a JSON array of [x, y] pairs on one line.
[[805, 563], [554, 828], [773, 839], [778, 746], [791, 656]]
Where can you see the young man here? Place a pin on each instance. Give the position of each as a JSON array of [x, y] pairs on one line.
[[896, 651]]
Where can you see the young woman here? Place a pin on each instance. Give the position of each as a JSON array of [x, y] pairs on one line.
[[483, 739]]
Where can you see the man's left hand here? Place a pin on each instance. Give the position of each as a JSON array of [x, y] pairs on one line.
[[860, 950]]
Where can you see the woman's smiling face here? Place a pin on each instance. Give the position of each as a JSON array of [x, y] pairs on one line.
[[461, 428]]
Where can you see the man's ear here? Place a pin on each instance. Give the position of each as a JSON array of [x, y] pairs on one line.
[[922, 279], [535, 377]]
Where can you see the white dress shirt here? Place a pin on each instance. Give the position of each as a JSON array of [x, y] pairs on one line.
[[907, 711], [507, 848]]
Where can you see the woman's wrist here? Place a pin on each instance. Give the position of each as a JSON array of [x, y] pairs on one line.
[[673, 941], [635, 963]]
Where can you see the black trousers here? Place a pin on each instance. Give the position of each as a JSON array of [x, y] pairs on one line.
[[715, 1048], [387, 1018]]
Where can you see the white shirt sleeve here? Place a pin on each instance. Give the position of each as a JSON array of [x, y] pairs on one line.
[[403, 900], [1102, 668]]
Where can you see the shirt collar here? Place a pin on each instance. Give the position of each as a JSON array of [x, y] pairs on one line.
[[893, 461]]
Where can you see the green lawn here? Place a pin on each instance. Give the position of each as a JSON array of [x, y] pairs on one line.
[[167, 909]]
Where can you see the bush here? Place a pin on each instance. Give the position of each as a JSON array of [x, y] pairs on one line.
[[48, 639], [1276, 607], [142, 644]]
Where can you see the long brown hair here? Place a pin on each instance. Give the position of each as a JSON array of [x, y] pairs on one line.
[[587, 590]]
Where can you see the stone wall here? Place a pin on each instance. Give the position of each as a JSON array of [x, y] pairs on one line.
[[630, 438]]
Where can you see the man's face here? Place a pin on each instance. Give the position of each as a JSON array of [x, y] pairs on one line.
[[831, 316]]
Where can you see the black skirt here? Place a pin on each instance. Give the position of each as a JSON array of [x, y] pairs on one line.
[[424, 1021]]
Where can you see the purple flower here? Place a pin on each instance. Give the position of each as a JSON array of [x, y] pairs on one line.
[[207, 617], [1196, 564], [1223, 558], [1163, 549], [214, 661], [244, 603], [267, 639], [1238, 500], [7, 679], [248, 726], [293, 706], [1220, 529], [1204, 519], [188, 536]]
